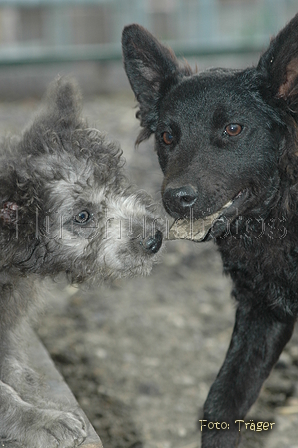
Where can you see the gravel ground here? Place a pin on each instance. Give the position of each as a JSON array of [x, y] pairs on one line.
[[141, 354]]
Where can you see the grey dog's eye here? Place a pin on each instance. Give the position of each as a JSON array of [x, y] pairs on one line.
[[82, 217]]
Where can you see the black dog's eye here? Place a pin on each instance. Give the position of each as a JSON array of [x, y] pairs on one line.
[[82, 217], [167, 138], [233, 129]]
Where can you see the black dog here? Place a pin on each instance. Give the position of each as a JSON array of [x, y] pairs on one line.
[[228, 147]]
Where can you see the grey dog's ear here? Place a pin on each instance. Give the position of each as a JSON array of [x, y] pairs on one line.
[[59, 115], [8, 213], [63, 103], [279, 66], [152, 70]]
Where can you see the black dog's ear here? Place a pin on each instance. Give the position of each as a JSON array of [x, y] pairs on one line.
[[152, 70], [279, 65]]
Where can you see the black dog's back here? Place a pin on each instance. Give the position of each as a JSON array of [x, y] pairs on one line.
[[227, 145]]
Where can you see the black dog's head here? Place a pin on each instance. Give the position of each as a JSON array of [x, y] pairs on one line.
[[222, 136]]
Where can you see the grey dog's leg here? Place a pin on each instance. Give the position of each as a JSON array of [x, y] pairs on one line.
[[36, 427], [24, 414]]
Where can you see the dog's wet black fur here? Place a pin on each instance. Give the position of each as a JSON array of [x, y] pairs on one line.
[[226, 135]]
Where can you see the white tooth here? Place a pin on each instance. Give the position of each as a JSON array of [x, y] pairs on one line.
[[194, 230]]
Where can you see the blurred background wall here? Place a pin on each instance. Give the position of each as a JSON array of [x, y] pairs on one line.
[[41, 38]]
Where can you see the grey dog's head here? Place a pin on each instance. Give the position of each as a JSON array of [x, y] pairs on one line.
[[66, 205]]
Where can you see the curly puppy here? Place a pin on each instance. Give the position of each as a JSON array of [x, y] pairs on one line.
[[66, 207]]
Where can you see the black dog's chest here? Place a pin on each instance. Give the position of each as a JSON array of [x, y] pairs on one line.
[[251, 262]]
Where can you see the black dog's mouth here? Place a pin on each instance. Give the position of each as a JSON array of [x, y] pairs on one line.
[[198, 229]]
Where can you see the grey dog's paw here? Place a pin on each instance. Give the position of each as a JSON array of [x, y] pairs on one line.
[[57, 429]]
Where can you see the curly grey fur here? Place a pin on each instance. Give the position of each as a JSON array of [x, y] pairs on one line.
[[66, 207]]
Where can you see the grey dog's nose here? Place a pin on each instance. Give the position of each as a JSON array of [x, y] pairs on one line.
[[178, 201], [153, 243]]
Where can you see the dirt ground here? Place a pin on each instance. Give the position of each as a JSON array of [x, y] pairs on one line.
[[140, 355]]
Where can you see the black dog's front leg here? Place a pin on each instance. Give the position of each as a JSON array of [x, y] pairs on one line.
[[258, 338]]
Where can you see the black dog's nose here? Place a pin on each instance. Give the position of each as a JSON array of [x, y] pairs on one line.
[[153, 243], [179, 200]]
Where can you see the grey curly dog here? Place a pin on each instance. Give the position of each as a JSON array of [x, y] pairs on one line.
[[66, 207]]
